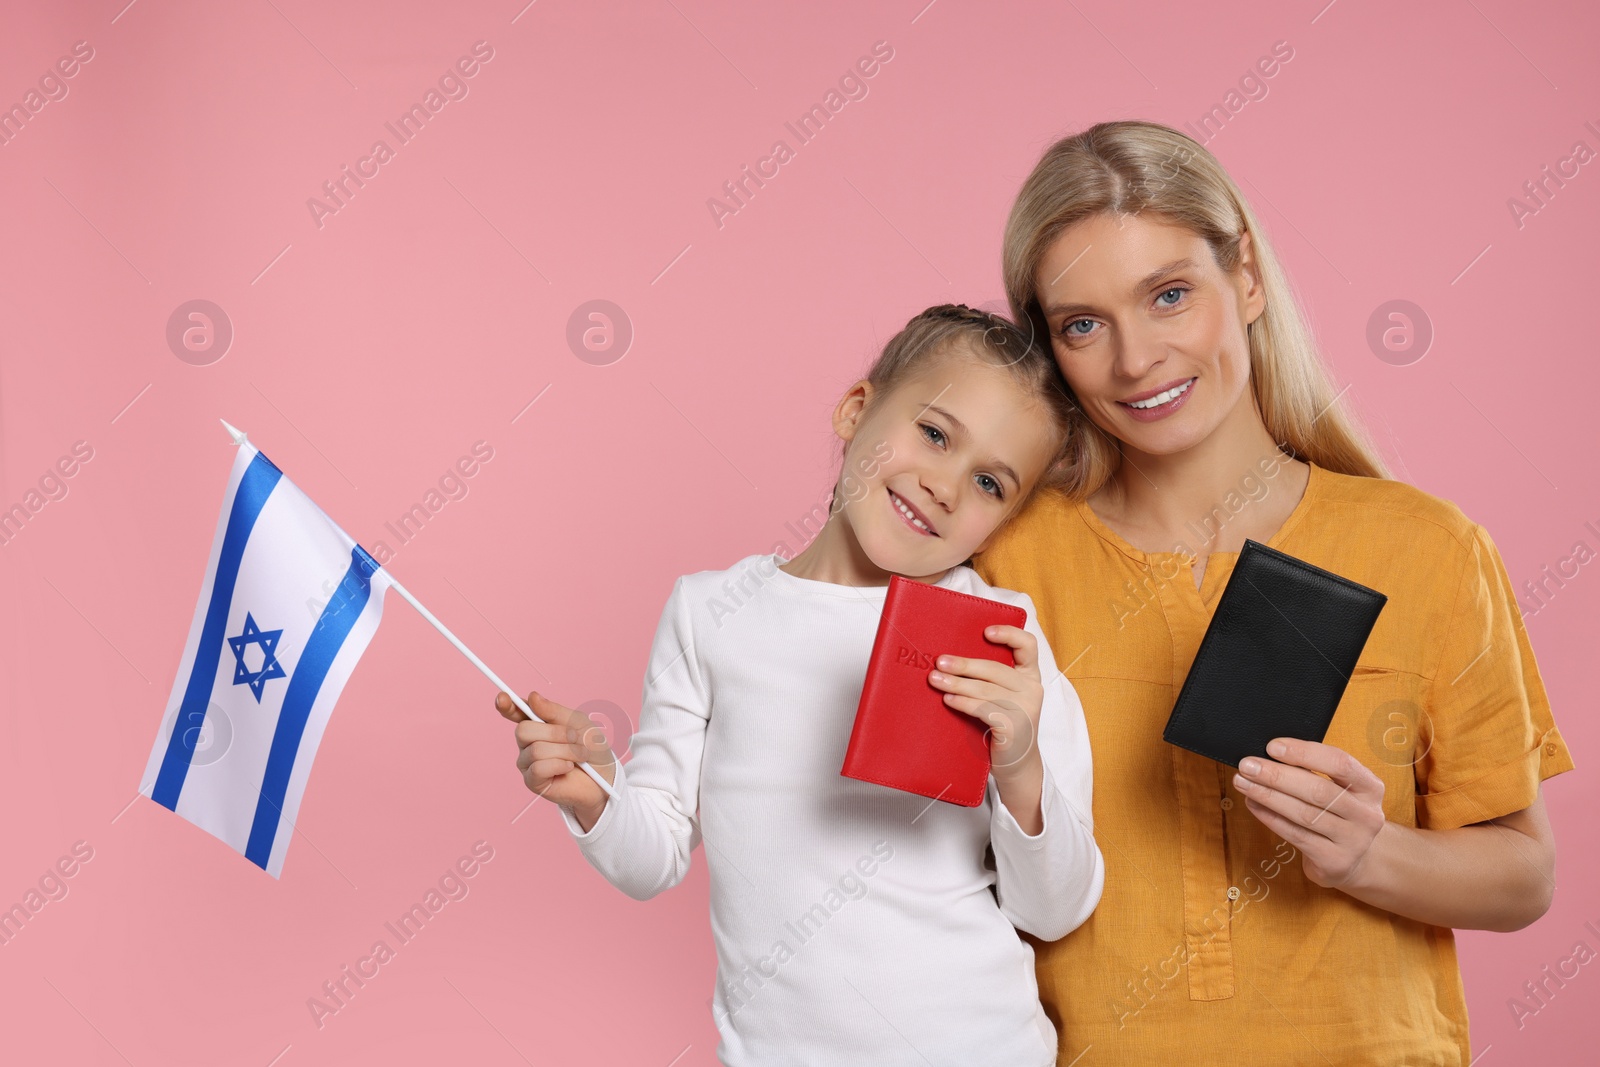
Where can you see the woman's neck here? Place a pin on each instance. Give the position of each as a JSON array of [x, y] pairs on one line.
[[1237, 483]]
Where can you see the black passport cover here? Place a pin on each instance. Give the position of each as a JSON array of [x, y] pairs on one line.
[[1275, 659]]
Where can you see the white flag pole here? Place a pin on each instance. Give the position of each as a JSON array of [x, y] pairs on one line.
[[394, 583], [478, 663]]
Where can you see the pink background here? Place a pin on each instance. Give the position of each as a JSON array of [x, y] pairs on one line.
[[372, 351]]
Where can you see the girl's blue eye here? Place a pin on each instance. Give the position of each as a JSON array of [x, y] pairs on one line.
[[936, 435]]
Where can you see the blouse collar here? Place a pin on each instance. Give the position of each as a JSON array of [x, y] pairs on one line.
[[1314, 480]]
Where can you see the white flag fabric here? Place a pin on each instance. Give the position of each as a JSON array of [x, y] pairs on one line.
[[288, 606]]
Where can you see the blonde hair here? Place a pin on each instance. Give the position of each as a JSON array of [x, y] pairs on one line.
[[1134, 168]]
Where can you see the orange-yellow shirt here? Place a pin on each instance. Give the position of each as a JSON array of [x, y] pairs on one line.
[[1209, 944]]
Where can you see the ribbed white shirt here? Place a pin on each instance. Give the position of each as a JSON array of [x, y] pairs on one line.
[[854, 923]]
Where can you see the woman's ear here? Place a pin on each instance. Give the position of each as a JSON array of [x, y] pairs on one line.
[[1251, 292], [847, 413]]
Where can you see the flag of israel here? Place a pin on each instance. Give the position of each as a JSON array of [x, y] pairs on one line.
[[260, 671]]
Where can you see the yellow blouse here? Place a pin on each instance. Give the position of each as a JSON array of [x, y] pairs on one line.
[[1209, 943]]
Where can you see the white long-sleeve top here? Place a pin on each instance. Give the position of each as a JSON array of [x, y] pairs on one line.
[[854, 923]]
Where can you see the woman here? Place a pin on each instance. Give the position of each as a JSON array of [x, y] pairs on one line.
[[1300, 910]]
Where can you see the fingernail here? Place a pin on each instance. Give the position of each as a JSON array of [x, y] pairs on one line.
[[936, 676], [1240, 783], [1249, 766], [1277, 748]]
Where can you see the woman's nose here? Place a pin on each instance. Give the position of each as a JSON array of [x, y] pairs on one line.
[[1136, 353]]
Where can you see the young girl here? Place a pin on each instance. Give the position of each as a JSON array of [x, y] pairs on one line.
[[855, 923]]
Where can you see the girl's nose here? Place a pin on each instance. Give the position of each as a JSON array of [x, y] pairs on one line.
[[941, 485]]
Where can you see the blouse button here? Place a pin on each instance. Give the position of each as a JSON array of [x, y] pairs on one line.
[[1227, 804], [1550, 749], [1233, 892]]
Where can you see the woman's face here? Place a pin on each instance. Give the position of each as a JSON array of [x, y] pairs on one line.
[[1149, 331]]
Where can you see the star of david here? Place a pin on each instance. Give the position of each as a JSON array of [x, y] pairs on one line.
[[270, 667]]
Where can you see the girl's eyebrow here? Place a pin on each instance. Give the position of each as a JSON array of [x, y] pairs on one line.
[[1138, 287], [960, 427]]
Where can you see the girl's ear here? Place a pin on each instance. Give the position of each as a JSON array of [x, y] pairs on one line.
[[847, 413]]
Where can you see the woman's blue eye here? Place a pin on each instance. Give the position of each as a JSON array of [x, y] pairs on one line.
[[1067, 327], [930, 431]]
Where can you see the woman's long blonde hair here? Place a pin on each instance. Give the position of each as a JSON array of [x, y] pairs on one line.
[[1135, 168]]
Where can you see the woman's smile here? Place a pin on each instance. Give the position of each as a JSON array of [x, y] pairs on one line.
[[1160, 402]]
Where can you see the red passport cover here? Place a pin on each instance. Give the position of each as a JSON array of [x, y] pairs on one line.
[[905, 735]]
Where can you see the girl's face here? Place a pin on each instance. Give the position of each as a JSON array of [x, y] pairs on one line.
[[1149, 331], [943, 460]]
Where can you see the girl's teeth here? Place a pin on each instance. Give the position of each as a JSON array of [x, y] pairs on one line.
[[918, 523], [1162, 398]]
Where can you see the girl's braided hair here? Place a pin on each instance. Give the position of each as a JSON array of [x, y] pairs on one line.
[[949, 328]]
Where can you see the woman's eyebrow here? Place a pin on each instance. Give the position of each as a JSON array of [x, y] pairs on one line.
[[1138, 287], [960, 427]]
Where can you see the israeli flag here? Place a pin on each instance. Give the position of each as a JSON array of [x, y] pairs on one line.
[[288, 605]]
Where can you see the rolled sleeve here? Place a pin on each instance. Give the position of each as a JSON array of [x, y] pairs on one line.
[[1491, 735]]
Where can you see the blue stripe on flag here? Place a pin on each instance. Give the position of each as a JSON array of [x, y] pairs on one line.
[[257, 484], [333, 626]]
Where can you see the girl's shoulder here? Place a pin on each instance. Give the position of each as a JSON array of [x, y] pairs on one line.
[[714, 596], [760, 565], [736, 583]]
